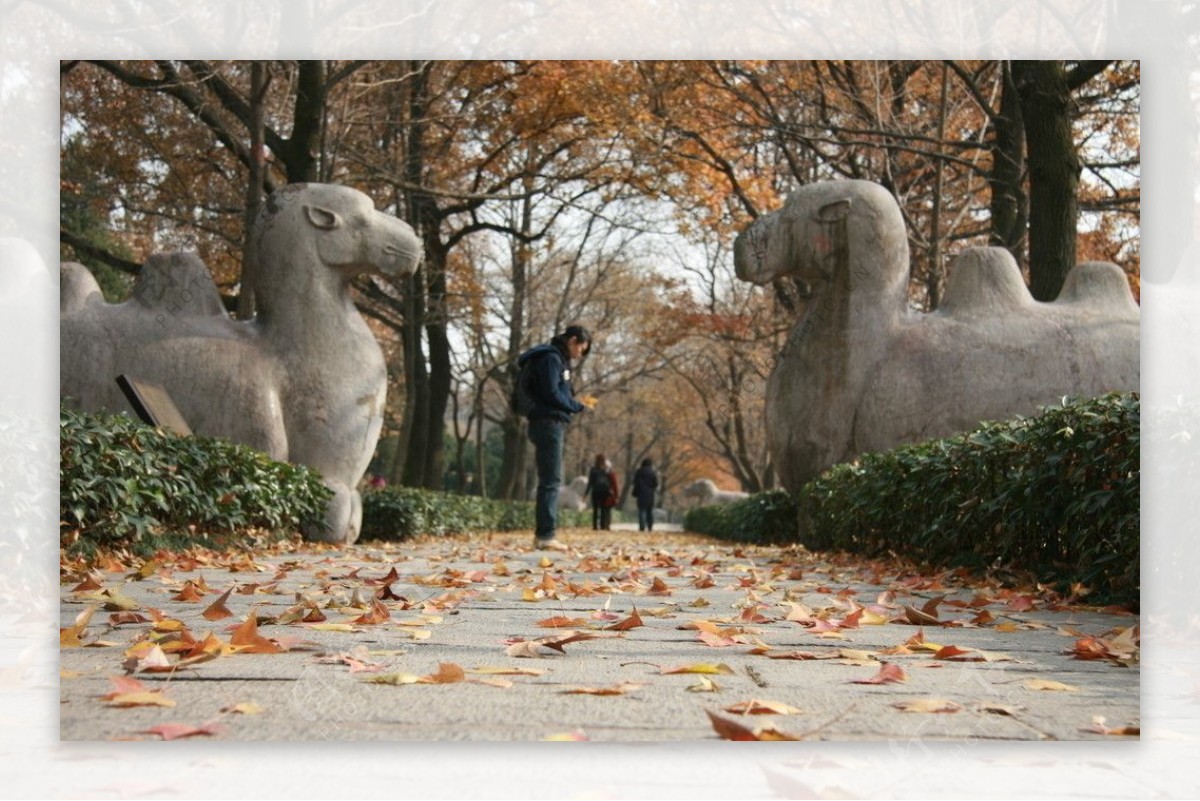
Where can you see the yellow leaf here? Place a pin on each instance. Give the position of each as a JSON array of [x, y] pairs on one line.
[[244, 708], [701, 667], [1048, 684], [396, 679], [148, 698], [758, 707], [932, 705]]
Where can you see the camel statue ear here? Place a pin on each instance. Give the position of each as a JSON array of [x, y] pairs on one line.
[[323, 219]]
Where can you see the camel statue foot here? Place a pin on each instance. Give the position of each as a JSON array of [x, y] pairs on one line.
[[343, 518]]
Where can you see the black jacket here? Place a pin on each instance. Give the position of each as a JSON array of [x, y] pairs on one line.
[[645, 482], [551, 389]]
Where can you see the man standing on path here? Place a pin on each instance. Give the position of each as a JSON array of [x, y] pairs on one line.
[[645, 482], [544, 395]]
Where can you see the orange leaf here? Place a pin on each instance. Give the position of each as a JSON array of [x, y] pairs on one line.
[[616, 689], [950, 651], [218, 610], [632, 622], [248, 640], [447, 673], [175, 731], [888, 674], [561, 622], [190, 592]]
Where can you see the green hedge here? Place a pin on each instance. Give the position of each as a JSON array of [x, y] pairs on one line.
[[763, 518], [398, 513], [1056, 495], [124, 483]]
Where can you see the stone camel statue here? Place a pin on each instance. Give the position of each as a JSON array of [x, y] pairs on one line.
[[304, 381], [862, 372], [707, 494]]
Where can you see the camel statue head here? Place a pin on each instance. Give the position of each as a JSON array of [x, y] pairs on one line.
[[808, 237], [342, 228]]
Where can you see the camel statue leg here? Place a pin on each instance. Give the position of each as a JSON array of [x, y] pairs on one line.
[[343, 517]]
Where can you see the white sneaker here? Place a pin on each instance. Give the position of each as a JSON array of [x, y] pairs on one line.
[[548, 545]]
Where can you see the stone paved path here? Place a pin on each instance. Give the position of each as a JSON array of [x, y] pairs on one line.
[[452, 639]]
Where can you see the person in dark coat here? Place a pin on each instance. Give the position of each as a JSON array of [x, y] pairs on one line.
[[602, 492], [553, 403], [645, 484]]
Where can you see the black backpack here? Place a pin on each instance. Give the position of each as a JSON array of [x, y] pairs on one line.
[[601, 486], [522, 401]]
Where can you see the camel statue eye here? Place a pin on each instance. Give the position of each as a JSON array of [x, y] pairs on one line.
[[321, 218]]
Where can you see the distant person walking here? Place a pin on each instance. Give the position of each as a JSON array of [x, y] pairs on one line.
[[543, 394], [602, 492], [645, 484]]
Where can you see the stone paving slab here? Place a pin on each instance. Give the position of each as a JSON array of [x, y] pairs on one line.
[[469, 599]]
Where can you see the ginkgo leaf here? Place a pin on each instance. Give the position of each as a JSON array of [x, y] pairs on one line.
[[704, 685]]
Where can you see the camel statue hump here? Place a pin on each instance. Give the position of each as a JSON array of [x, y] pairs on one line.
[[178, 283], [1102, 286], [76, 287], [985, 281]]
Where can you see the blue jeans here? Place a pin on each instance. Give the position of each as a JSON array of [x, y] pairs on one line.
[[547, 437], [645, 518]]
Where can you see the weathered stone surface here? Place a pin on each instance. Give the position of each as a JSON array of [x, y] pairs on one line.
[[305, 381], [861, 372]]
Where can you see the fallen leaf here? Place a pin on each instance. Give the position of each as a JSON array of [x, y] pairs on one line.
[[930, 705], [395, 679], [632, 622], [616, 689], [244, 708], [1098, 727], [704, 685], [759, 707], [217, 610], [447, 673], [247, 639], [576, 736], [888, 674], [561, 622], [1048, 684], [729, 730], [176, 731], [132, 692], [700, 667]]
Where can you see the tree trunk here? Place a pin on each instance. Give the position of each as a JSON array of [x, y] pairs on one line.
[[259, 79], [511, 484], [1009, 205], [302, 157], [1053, 174]]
